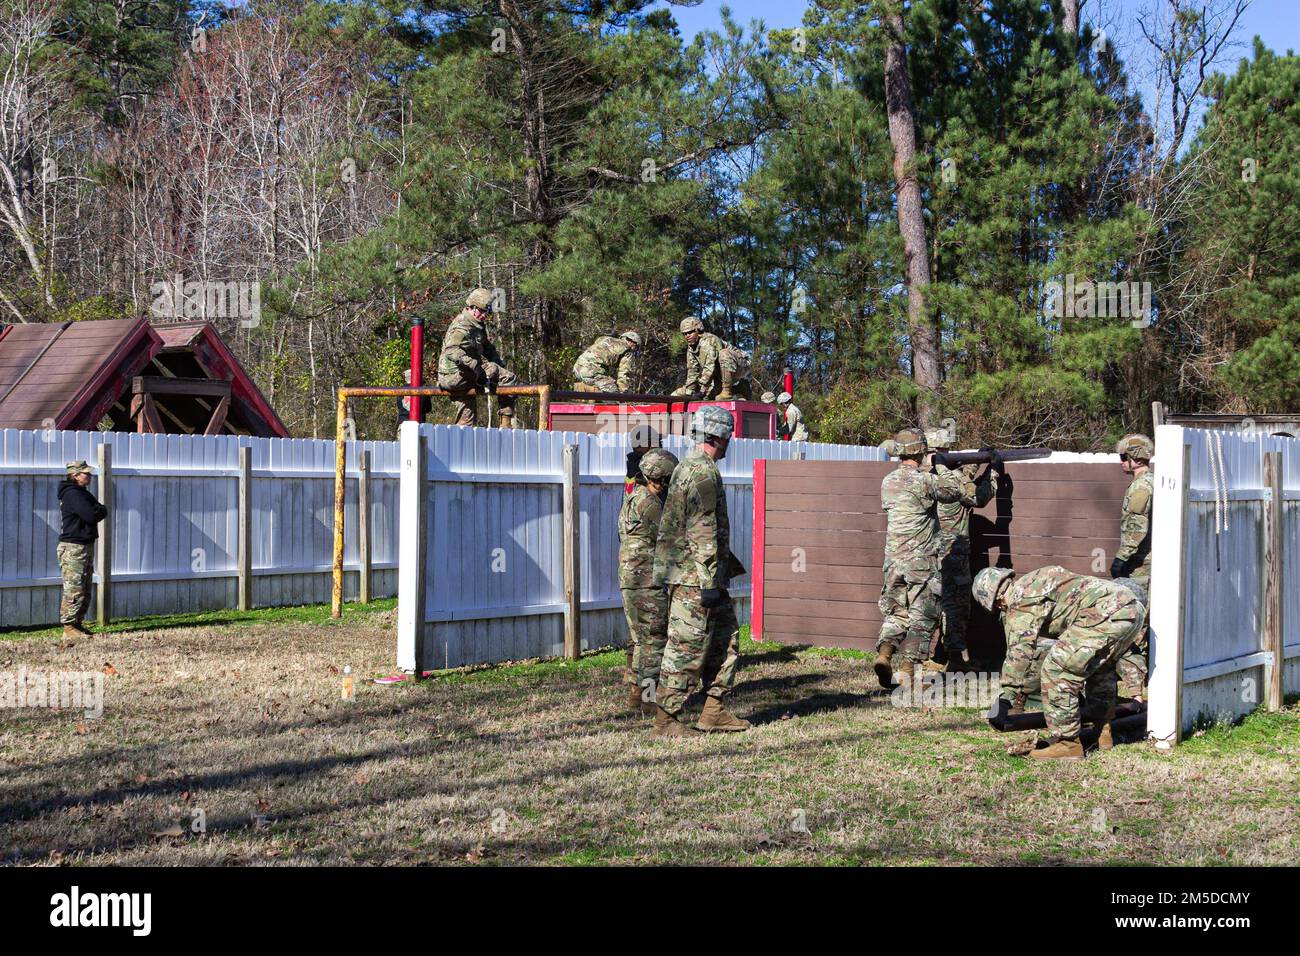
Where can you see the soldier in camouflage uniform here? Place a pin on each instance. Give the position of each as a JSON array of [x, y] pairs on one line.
[[693, 558], [911, 584], [1094, 621], [1133, 559], [792, 418], [715, 369], [954, 542], [469, 360], [608, 365], [644, 603], [81, 514]]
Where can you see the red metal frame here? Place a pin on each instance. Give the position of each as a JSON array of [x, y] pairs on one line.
[[757, 544], [660, 408]]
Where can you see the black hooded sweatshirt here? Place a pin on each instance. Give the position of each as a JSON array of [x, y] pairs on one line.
[[81, 513]]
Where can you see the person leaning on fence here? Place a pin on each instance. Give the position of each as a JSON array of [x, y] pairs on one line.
[[81, 514], [1094, 622], [644, 602], [791, 418], [693, 559], [911, 585], [1133, 559], [608, 365], [469, 360]]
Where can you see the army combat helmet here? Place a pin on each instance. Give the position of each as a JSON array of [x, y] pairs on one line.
[[906, 444], [658, 464], [783, 399], [712, 422], [633, 337], [1135, 446], [479, 299], [691, 324], [769, 398], [944, 437], [1134, 587], [988, 583]]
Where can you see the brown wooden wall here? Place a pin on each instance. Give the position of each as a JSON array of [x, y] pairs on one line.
[[1043, 514]]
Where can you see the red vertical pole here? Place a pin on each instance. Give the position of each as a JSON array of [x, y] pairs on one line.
[[417, 365], [757, 543], [787, 382]]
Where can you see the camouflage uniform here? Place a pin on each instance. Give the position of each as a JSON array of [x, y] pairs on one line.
[[712, 364], [794, 425], [469, 360], [608, 365], [1135, 546], [645, 604], [911, 585], [1094, 622], [76, 562], [954, 545], [693, 553]]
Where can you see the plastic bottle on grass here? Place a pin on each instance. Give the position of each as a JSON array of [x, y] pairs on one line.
[[349, 690]]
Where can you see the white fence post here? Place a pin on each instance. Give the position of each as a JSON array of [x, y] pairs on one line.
[[412, 549], [572, 556], [244, 558], [104, 546], [1273, 566], [1168, 584]]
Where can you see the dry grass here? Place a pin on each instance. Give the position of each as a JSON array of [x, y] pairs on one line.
[[538, 764]]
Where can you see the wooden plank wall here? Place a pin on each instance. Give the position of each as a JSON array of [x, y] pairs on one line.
[[823, 542]]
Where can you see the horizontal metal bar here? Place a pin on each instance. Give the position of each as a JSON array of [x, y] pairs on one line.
[[1241, 494], [135, 471], [127, 577], [1232, 665], [532, 610]]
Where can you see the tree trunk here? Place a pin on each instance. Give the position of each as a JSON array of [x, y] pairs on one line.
[[1070, 17], [926, 368]]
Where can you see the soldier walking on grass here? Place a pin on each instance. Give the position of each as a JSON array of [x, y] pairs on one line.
[[644, 602], [1094, 622], [693, 558], [954, 541], [911, 585], [608, 365], [469, 360], [1133, 559], [81, 514]]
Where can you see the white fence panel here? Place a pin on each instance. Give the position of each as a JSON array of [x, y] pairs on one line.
[[1208, 575]]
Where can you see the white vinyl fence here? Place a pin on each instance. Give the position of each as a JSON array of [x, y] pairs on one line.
[[174, 506], [1225, 586], [493, 588]]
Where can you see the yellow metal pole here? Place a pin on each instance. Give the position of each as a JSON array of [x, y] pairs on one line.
[[544, 408], [340, 459]]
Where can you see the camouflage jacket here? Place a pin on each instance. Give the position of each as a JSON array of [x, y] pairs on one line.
[[910, 499], [466, 347], [608, 356], [1135, 526], [1048, 601], [694, 546], [794, 426], [638, 529], [702, 361], [954, 517]]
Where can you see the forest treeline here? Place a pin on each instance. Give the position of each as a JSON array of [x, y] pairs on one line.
[[926, 208]]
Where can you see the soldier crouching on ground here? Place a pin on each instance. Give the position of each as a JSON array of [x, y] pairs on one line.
[[693, 558], [608, 365], [911, 584], [644, 603], [81, 514], [1094, 622], [469, 360]]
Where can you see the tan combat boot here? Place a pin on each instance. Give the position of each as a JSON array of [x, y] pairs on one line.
[[884, 670], [933, 667], [725, 392], [1106, 739], [716, 718], [671, 725], [634, 698], [1060, 748], [72, 631]]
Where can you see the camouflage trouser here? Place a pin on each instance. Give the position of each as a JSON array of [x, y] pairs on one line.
[[76, 562], [733, 374], [1132, 664], [703, 647], [647, 632], [956, 599], [909, 603], [1083, 664], [595, 383], [467, 405]]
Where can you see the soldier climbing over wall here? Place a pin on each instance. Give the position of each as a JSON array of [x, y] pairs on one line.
[[715, 369], [469, 360], [911, 583], [1094, 622], [644, 602], [1133, 559], [608, 365]]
